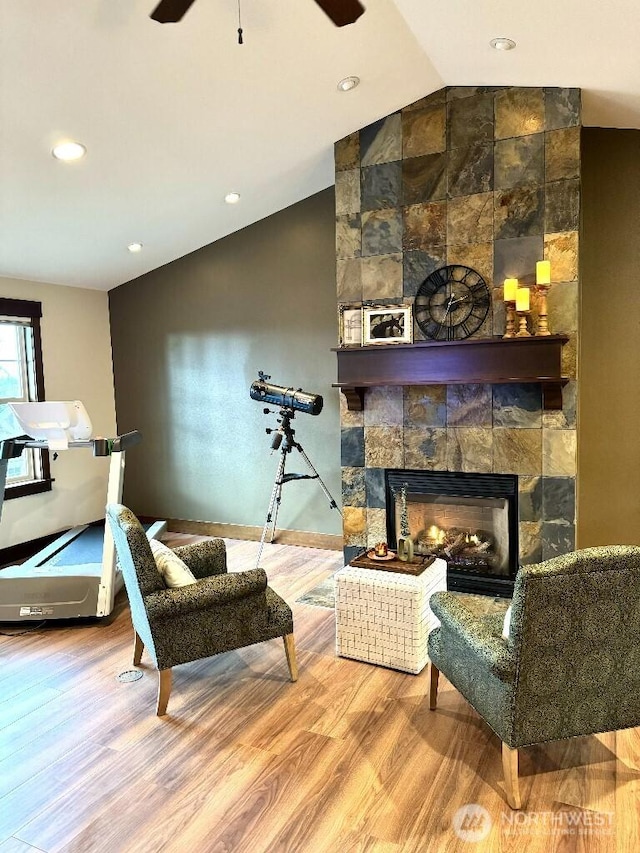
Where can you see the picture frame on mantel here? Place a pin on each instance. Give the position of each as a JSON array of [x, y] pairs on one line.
[[387, 324], [350, 324]]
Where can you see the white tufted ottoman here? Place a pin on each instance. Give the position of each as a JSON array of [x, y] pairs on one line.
[[384, 617]]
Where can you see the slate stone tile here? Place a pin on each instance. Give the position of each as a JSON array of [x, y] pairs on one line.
[[349, 280], [385, 406], [517, 451], [562, 154], [381, 232], [469, 405], [519, 161], [457, 92], [559, 452], [376, 526], [382, 277], [517, 405], [350, 552], [519, 212], [499, 311], [557, 539], [530, 498], [381, 142], [353, 487], [562, 307], [516, 258], [354, 526], [562, 107], [425, 225], [347, 152], [470, 219], [348, 192], [470, 120], [348, 236], [470, 170], [418, 264], [381, 186], [519, 112], [559, 499], [477, 256], [566, 418], [570, 358], [347, 418], [383, 447], [434, 99], [423, 131], [562, 250], [562, 208], [352, 447], [425, 406], [425, 448], [376, 497], [469, 449], [530, 542], [424, 178]]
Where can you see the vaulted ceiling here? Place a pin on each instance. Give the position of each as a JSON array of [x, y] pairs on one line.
[[174, 116]]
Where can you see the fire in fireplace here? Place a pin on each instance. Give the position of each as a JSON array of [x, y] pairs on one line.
[[470, 520]]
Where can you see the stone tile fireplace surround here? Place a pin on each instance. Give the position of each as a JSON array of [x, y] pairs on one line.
[[488, 178]]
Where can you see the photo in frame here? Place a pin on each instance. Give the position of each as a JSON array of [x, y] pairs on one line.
[[387, 324], [350, 325]]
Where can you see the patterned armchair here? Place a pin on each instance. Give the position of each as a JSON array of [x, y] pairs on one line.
[[571, 663], [218, 613]]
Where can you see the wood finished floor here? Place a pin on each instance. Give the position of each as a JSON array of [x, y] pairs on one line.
[[347, 759]]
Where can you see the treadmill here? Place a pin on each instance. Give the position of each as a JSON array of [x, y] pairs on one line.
[[75, 576]]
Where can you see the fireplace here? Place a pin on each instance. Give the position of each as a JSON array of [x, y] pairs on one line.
[[470, 520]]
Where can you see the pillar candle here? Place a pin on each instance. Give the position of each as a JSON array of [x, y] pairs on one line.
[[522, 299], [543, 272], [510, 288]]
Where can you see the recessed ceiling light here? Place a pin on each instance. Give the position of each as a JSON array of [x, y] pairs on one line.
[[232, 198], [134, 247], [69, 151], [502, 44], [348, 83]]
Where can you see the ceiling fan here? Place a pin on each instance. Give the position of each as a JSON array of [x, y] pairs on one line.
[[341, 12]]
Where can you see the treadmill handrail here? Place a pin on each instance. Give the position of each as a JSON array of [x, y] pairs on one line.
[[11, 448]]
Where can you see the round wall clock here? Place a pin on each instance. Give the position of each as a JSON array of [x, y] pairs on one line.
[[452, 303]]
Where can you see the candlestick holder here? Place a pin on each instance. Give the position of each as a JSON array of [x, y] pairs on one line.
[[523, 331], [510, 322], [542, 325]]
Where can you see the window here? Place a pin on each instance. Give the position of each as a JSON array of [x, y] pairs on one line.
[[21, 379]]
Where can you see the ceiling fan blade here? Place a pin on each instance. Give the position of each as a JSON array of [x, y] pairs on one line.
[[342, 12], [171, 11]]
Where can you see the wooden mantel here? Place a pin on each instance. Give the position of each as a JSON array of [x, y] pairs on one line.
[[483, 360]]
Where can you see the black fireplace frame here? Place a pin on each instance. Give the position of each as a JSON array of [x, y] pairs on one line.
[[462, 484]]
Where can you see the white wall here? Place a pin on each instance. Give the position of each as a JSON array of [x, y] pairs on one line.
[[76, 348]]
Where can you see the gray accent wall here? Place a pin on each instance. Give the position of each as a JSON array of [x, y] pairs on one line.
[[189, 339]]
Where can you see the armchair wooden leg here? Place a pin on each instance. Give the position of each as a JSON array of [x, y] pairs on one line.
[[164, 689], [510, 770], [290, 651], [138, 648], [433, 690]]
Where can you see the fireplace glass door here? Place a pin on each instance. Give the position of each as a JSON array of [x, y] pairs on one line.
[[470, 520]]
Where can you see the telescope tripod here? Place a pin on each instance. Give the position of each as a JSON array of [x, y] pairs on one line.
[[285, 440]]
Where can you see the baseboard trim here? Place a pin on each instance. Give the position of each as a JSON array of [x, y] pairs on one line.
[[328, 541]]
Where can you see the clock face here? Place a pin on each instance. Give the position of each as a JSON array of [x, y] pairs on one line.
[[452, 303]]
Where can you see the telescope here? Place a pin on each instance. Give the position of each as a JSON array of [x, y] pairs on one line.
[[287, 398]]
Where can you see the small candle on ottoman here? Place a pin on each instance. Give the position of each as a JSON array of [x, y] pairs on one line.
[[381, 549]]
